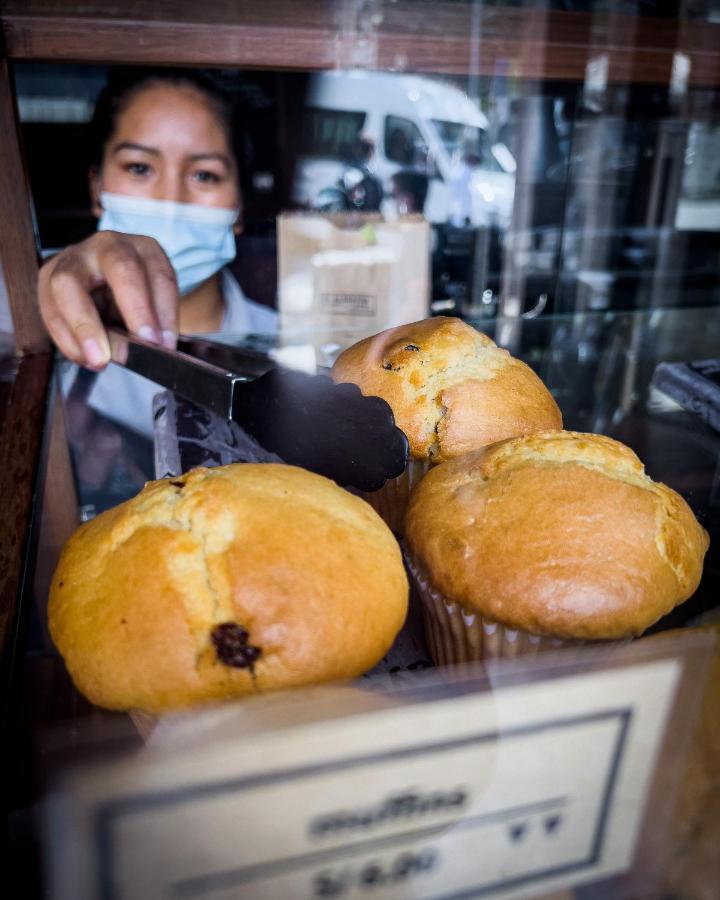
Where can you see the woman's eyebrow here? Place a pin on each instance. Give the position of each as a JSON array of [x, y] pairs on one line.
[[221, 157], [128, 145]]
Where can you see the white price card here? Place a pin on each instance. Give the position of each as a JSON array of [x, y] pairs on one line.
[[447, 792]]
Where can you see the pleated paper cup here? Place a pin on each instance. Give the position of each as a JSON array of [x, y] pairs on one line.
[[457, 635], [391, 501]]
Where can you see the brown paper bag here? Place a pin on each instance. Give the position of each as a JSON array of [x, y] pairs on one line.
[[341, 278]]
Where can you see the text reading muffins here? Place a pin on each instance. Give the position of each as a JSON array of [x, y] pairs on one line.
[[224, 582]]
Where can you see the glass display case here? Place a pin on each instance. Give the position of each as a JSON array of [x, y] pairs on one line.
[[559, 165]]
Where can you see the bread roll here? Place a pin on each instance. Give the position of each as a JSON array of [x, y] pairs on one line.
[[224, 582]]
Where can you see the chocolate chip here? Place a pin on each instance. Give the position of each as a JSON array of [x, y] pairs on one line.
[[387, 365], [232, 648], [178, 484], [412, 347]]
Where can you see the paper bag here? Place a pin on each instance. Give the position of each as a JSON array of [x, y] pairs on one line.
[[344, 278]]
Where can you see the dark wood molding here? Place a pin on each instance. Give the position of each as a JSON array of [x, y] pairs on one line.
[[17, 238], [20, 445], [58, 501], [411, 35]]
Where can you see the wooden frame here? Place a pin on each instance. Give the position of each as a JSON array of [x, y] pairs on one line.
[[18, 251], [412, 35], [19, 453]]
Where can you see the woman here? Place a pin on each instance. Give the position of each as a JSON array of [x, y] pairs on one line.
[[164, 186]]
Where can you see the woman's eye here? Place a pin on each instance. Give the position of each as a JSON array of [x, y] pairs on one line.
[[137, 168], [204, 176]]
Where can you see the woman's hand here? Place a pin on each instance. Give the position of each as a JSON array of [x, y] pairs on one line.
[[142, 293]]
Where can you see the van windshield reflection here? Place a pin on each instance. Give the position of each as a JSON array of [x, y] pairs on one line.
[[466, 141]]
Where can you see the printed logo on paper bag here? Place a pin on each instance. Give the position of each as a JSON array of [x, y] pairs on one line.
[[348, 304]]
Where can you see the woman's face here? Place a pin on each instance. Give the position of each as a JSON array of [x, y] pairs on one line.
[[169, 144]]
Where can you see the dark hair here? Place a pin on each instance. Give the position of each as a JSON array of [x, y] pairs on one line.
[[124, 83], [413, 183]]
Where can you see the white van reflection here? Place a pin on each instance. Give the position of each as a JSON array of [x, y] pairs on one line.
[[386, 123]]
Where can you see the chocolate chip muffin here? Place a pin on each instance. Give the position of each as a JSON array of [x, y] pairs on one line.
[[547, 539], [452, 390], [225, 582]]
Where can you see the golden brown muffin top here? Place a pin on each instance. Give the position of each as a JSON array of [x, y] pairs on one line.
[[557, 533], [222, 582], [451, 388]]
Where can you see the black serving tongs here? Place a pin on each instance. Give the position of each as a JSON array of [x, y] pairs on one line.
[[307, 420]]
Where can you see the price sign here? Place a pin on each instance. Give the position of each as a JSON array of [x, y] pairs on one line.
[[447, 792]]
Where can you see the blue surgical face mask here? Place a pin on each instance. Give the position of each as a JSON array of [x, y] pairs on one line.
[[198, 240]]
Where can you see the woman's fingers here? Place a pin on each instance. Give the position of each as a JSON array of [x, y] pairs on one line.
[[123, 268], [163, 286], [140, 278], [62, 335], [70, 314]]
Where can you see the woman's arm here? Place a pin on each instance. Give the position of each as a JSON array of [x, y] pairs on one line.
[[140, 279]]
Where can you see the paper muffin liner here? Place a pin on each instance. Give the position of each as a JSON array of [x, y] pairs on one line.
[[391, 501], [456, 635], [145, 723]]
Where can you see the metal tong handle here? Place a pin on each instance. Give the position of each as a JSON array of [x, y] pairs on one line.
[[203, 383], [247, 361]]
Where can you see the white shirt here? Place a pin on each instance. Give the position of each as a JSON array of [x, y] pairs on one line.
[[126, 398]]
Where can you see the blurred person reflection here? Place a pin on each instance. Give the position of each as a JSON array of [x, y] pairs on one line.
[[360, 181], [409, 189], [460, 187]]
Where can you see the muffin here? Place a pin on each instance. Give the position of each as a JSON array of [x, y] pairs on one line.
[[452, 390], [224, 582], [544, 540]]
